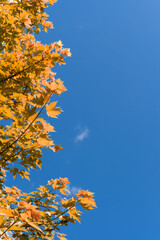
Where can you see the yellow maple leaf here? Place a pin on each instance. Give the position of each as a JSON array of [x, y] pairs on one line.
[[53, 111], [44, 142], [6, 212], [75, 214], [32, 224]]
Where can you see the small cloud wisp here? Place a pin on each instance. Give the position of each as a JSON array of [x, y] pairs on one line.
[[82, 135], [73, 190]]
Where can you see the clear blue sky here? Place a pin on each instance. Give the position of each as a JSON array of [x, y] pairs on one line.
[[110, 127]]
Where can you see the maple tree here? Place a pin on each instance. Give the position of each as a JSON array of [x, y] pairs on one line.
[[27, 86]]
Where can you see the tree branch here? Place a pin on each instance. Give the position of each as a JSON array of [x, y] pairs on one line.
[[9, 227], [27, 127], [66, 211], [19, 72]]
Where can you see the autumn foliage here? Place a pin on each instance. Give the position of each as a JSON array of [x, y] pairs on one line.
[[27, 88]]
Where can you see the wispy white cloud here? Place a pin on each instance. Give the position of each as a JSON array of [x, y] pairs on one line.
[[82, 135], [73, 190]]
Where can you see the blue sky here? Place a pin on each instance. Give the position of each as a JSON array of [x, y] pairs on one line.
[[110, 127]]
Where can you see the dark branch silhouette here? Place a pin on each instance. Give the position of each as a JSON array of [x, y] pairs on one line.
[[19, 72]]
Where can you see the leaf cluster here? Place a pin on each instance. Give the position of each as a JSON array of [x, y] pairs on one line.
[[42, 213]]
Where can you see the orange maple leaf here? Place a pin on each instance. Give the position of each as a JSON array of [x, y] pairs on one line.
[[31, 210]]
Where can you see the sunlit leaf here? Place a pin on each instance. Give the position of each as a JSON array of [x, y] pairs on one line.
[[53, 111]]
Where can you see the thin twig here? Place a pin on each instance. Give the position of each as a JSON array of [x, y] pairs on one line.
[[65, 211], [5, 160]]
